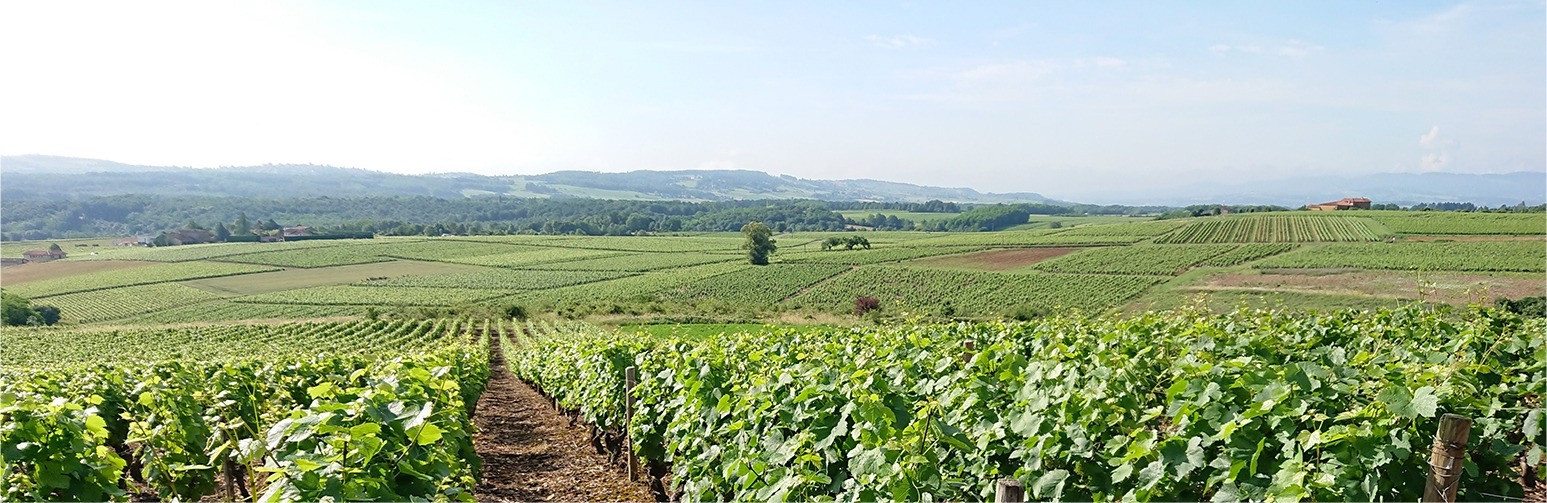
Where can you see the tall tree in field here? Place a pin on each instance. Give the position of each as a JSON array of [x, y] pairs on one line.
[[54, 247], [221, 233], [242, 227], [760, 242]]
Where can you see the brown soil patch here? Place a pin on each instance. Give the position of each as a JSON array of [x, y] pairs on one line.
[[997, 260], [1453, 288], [1473, 238], [34, 271], [530, 453]]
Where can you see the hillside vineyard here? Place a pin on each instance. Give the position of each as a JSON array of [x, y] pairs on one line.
[[1274, 355]]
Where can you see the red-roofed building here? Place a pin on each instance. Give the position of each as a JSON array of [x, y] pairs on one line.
[[1347, 203], [43, 255]]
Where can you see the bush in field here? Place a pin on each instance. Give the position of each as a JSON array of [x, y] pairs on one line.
[[1028, 313], [1535, 307], [866, 304]]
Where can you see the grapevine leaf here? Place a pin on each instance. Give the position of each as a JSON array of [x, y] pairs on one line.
[[1050, 484]]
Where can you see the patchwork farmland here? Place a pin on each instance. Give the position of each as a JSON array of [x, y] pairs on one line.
[[456, 336], [982, 275]]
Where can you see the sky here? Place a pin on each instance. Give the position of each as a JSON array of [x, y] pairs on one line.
[[1068, 99]]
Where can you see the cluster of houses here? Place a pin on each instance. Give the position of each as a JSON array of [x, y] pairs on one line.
[[34, 256], [1347, 203]]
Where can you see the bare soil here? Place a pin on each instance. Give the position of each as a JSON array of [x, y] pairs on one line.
[[1453, 288], [35, 271], [530, 452], [997, 260]]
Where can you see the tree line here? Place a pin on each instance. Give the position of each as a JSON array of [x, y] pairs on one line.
[[402, 215]]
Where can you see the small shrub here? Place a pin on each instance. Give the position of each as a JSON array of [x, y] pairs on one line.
[[1535, 307], [866, 304]]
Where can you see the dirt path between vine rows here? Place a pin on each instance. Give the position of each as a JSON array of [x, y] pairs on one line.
[[530, 453]]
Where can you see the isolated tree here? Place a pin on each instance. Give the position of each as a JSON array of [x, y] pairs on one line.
[[221, 233], [54, 247], [14, 309], [242, 227], [831, 242], [760, 242]]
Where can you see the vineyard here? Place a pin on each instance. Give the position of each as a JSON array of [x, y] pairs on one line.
[[159, 273], [1454, 223], [310, 258], [115, 303], [1136, 259], [1246, 253], [699, 275], [1274, 229], [1458, 256], [360, 410], [375, 296], [1250, 405], [922, 291]]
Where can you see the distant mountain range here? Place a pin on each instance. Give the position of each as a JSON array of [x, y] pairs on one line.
[[54, 178], [1400, 188], [38, 177]]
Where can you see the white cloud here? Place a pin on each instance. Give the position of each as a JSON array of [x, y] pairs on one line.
[[1288, 49], [1437, 150], [899, 41], [1431, 138]]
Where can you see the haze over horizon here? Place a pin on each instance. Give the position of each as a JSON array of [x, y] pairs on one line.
[[1065, 100]]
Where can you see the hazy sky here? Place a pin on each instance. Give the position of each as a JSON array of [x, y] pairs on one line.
[[1067, 99]]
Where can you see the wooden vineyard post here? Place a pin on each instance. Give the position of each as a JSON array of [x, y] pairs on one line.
[[226, 468], [1446, 458], [971, 348], [1009, 490], [630, 377]]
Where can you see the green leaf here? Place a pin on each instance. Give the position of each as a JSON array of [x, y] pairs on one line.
[[364, 429], [953, 436], [1407, 404], [306, 465], [425, 434], [1151, 474], [868, 461], [1425, 403], [96, 426], [1050, 485]]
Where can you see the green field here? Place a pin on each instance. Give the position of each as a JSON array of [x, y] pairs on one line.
[[1274, 229], [1277, 356], [706, 275], [1525, 256]]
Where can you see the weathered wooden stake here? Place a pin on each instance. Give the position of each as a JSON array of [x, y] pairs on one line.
[[1446, 458], [227, 468], [1009, 490], [630, 377]]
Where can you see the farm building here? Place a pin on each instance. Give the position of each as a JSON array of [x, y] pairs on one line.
[[43, 255], [1347, 203], [299, 230]]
